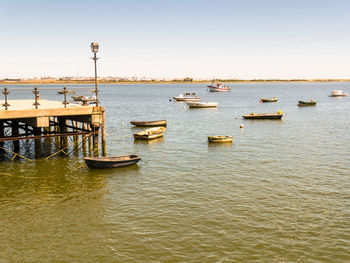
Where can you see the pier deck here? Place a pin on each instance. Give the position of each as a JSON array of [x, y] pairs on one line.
[[25, 109], [22, 121]]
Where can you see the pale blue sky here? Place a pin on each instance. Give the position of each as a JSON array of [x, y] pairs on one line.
[[201, 39]]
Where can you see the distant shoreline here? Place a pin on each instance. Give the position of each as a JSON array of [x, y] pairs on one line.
[[53, 82]]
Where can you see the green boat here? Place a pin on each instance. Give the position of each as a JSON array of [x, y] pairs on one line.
[[262, 116], [307, 103]]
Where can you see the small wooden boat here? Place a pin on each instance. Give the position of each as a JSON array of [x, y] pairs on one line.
[[77, 98], [218, 87], [85, 98], [187, 97], [111, 162], [338, 93], [274, 99], [149, 123], [67, 92], [150, 134], [197, 104], [221, 138], [307, 103], [271, 116]]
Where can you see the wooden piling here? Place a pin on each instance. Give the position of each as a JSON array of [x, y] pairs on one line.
[[95, 139], [2, 131], [15, 133], [37, 151], [103, 133]]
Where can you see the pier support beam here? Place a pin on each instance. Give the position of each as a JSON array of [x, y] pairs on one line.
[[38, 153], [95, 128], [2, 131], [15, 133], [63, 129], [103, 133]]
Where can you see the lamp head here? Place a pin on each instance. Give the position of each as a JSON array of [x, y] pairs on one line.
[[94, 47]]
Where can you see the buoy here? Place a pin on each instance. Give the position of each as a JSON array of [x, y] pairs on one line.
[[123, 124], [241, 126]]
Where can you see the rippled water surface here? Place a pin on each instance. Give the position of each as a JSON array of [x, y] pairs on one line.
[[279, 193]]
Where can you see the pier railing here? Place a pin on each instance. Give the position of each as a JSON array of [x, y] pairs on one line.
[[36, 91]]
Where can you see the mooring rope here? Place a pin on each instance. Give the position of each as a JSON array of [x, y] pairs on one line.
[[84, 140], [75, 169], [16, 154]]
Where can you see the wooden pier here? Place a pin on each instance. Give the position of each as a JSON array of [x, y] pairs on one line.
[[39, 119]]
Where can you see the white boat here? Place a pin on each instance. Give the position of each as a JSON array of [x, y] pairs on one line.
[[187, 97], [218, 87], [150, 134], [197, 104], [338, 93]]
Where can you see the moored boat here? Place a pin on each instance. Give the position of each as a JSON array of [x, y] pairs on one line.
[[149, 123], [150, 134], [77, 98], [271, 116], [221, 138], [218, 87], [338, 93], [307, 103], [187, 97], [274, 99], [86, 99], [67, 92], [111, 162], [197, 104]]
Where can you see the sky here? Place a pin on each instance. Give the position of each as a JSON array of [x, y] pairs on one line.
[[251, 39]]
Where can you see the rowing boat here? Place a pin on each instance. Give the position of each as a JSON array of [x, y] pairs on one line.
[[149, 123], [307, 103], [221, 138], [274, 99], [271, 116], [197, 104], [150, 134], [111, 162]]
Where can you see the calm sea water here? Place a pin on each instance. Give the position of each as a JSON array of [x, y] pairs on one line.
[[279, 193]]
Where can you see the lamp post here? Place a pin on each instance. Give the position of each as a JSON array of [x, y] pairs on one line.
[[94, 49]]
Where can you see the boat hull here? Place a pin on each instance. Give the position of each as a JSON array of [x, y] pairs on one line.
[[216, 89], [265, 116], [150, 134], [268, 100], [338, 95], [68, 92], [186, 99], [111, 162], [220, 139], [149, 123], [306, 103], [147, 137], [202, 104], [77, 98]]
